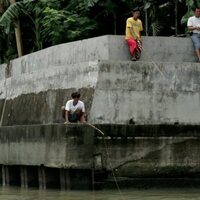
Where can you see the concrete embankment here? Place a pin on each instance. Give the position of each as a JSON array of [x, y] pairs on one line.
[[114, 92], [148, 110], [157, 89], [60, 155]]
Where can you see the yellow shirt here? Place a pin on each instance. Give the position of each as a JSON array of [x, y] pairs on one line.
[[136, 25]]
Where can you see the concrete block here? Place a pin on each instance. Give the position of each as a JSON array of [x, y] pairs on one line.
[[107, 47], [147, 91]]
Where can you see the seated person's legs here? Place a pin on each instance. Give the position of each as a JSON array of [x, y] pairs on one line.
[[73, 117], [132, 47], [76, 116], [196, 42], [63, 111], [80, 115]]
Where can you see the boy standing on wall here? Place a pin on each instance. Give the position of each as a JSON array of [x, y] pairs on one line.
[[133, 33]]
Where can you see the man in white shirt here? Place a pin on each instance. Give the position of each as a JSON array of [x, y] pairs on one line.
[[74, 111], [194, 27]]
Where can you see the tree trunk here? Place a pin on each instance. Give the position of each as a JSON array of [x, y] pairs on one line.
[[115, 24], [18, 39], [176, 17], [1, 8], [18, 35], [146, 23]]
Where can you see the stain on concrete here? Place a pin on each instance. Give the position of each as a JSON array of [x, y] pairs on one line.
[[41, 108]]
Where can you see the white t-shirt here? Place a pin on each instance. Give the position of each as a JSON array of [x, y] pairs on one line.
[[71, 108], [194, 21]]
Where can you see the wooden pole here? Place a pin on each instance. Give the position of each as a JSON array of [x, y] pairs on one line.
[[18, 35], [176, 17], [146, 23]]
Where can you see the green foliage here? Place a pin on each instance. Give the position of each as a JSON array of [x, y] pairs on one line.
[[7, 47], [190, 6], [91, 3], [49, 22], [51, 3], [11, 15], [156, 27], [66, 24], [157, 12], [63, 25]]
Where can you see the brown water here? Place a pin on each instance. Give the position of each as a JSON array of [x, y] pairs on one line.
[[11, 193]]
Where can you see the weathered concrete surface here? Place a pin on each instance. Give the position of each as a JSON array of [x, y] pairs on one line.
[[146, 93], [41, 108], [51, 78], [165, 49], [161, 49], [132, 151], [36, 97], [170, 153], [108, 47], [49, 145], [114, 92]]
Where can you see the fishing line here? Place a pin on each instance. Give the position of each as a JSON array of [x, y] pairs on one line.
[[108, 156], [109, 159], [157, 67], [153, 62]]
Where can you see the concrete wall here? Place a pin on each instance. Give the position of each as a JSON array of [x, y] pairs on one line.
[[132, 151], [150, 151], [161, 49], [108, 47], [63, 55], [115, 91], [146, 93], [50, 78], [162, 88], [48, 145], [41, 108]]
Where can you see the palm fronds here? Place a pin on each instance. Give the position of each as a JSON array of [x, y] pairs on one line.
[[12, 14]]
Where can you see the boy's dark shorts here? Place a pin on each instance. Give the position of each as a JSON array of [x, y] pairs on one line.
[[73, 117]]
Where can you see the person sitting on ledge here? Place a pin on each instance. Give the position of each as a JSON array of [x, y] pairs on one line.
[[194, 27], [133, 34], [74, 111]]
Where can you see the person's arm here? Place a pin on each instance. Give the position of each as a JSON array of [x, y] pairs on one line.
[[67, 110], [192, 28], [82, 119], [132, 33], [83, 108], [67, 116]]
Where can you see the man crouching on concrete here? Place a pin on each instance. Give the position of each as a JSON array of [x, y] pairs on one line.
[[74, 111]]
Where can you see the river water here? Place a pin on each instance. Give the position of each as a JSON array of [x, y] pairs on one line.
[[15, 193]]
